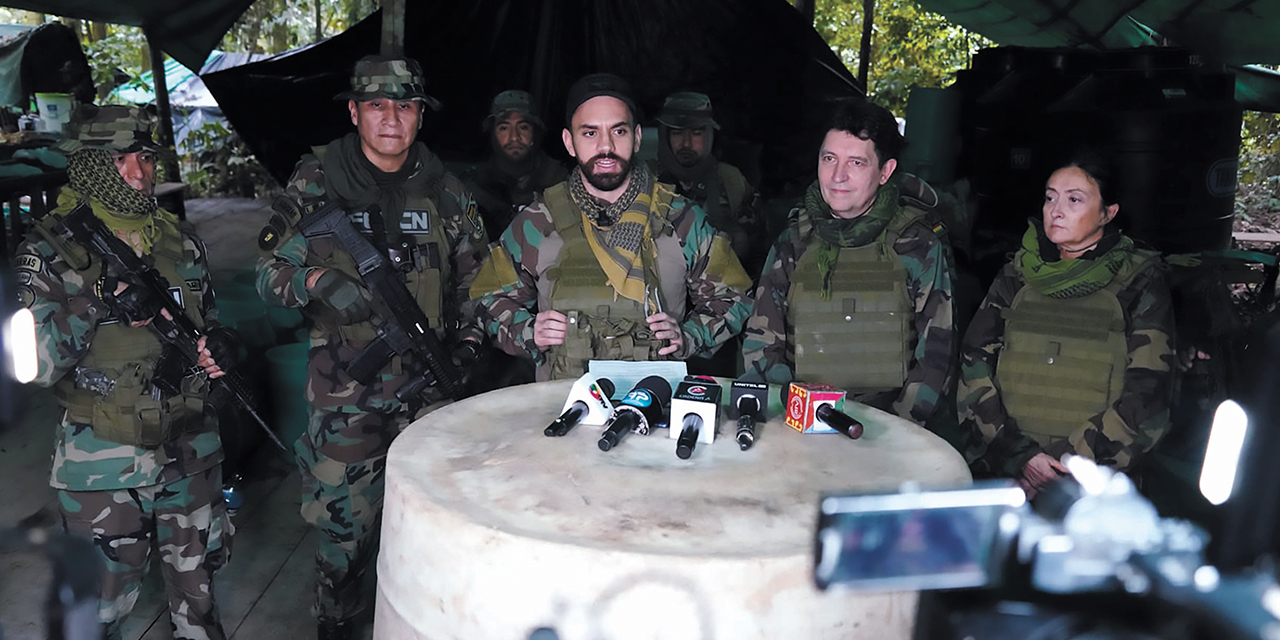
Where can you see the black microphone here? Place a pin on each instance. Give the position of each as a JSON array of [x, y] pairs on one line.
[[688, 436], [747, 400], [641, 408], [696, 404], [584, 394], [840, 421]]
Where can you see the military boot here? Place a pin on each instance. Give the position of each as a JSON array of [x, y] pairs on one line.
[[336, 629]]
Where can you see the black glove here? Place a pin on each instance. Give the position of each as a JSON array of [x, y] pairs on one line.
[[224, 347], [465, 354], [346, 298], [134, 304]]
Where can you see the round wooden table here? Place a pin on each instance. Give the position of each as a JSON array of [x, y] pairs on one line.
[[492, 530]]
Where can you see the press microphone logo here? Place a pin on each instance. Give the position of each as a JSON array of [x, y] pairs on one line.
[[698, 391], [639, 398], [795, 407]]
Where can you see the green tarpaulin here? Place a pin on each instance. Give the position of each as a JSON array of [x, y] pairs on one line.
[[186, 30]]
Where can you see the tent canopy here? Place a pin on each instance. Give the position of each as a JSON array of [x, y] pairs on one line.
[[1234, 32], [187, 31]]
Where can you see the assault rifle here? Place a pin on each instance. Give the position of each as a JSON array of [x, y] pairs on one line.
[[403, 327], [179, 330]]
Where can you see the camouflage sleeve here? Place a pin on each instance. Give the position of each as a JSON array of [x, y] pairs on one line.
[[468, 246], [66, 309], [1140, 416], [994, 446], [506, 289], [766, 351], [282, 270], [933, 361], [717, 284]]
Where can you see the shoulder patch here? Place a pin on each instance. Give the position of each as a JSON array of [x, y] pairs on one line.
[[269, 238], [28, 262], [26, 296]]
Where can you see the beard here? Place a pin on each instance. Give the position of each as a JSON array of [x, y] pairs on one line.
[[687, 157], [516, 152], [605, 181]]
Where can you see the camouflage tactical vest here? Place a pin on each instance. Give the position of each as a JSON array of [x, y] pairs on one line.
[[602, 325], [1063, 361], [111, 387], [860, 339]]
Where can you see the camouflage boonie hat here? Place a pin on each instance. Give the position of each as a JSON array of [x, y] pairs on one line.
[[116, 128], [391, 78], [687, 109], [509, 101]]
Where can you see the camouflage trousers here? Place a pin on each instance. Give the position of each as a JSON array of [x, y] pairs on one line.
[[186, 519], [343, 501]]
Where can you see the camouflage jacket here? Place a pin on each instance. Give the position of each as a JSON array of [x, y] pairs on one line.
[[768, 354], [500, 195], [282, 274], [740, 204], [717, 303], [67, 313], [1115, 437]]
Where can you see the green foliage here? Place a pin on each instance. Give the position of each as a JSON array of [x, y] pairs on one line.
[[219, 164], [123, 53], [909, 46]]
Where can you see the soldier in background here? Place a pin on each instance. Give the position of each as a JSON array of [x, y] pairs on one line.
[[396, 192], [518, 169], [135, 463], [686, 135], [856, 292], [609, 264]]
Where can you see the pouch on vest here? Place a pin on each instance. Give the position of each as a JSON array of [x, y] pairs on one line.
[[132, 415]]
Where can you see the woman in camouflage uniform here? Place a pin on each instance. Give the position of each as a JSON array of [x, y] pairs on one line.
[[1072, 350]]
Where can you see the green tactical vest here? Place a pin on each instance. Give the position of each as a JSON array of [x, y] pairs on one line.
[[128, 414], [1063, 361], [602, 326], [860, 339], [421, 222]]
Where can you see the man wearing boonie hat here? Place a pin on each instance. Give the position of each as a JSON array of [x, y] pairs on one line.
[[397, 192], [609, 264], [138, 460], [518, 168], [686, 135]]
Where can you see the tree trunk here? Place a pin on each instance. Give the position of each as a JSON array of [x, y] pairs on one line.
[[864, 53], [319, 26]]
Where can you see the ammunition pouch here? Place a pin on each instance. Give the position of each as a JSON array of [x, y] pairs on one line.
[[133, 411], [591, 337]]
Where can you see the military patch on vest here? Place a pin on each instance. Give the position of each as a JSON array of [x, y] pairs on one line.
[[193, 285], [26, 296], [416, 221], [473, 216], [286, 207], [28, 262], [278, 222], [25, 277], [269, 238]]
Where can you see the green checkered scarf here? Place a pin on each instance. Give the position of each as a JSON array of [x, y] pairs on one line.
[[834, 233]]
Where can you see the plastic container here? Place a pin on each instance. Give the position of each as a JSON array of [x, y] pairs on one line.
[[288, 365], [55, 110]]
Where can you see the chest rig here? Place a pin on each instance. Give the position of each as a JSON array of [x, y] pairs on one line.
[[859, 339], [1063, 360], [602, 325], [114, 386]]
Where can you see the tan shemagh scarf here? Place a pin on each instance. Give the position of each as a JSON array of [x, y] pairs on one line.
[[626, 251]]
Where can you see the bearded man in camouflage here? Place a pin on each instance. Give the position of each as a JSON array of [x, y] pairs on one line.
[[856, 293], [609, 264], [137, 459], [397, 193], [686, 136]]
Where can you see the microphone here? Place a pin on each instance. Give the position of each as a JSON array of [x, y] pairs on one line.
[[697, 401], [588, 401], [816, 408], [748, 400], [839, 420], [641, 408]]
